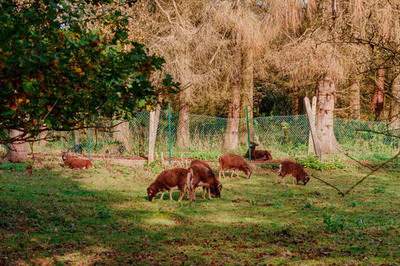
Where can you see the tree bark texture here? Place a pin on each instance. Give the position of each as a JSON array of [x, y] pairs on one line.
[[122, 134], [395, 106], [153, 127], [231, 139], [247, 91], [324, 121], [377, 102], [18, 151], [182, 132], [355, 105]]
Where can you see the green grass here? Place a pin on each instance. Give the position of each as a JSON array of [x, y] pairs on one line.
[[62, 216]]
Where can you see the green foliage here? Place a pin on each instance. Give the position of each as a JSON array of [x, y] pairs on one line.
[[58, 70], [333, 223], [313, 162], [18, 167]]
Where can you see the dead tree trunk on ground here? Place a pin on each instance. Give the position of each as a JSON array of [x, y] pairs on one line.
[[324, 121]]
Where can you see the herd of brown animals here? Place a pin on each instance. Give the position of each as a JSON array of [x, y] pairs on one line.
[[200, 174]]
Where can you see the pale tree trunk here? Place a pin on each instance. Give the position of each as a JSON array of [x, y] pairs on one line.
[[231, 138], [122, 134], [395, 106], [247, 90], [182, 132], [354, 98], [153, 126], [324, 121], [377, 102], [311, 118], [18, 151]]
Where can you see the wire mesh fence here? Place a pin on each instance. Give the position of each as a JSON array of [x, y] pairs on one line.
[[284, 136]]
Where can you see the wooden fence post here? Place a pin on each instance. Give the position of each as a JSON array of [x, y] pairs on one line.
[[313, 131], [312, 120], [153, 126]]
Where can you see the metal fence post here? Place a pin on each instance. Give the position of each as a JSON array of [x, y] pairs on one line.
[[169, 114], [246, 110]]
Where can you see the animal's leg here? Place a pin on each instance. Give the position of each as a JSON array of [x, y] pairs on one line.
[[170, 194], [162, 195], [181, 194], [232, 173], [204, 192], [209, 193], [223, 173], [219, 174]]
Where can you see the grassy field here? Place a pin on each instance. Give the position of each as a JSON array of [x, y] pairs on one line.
[[60, 216]]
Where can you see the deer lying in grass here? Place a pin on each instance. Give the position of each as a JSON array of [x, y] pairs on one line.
[[76, 162], [168, 179], [262, 155], [233, 162], [201, 174], [288, 167]]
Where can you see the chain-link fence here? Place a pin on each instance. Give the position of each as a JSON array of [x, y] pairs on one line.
[[284, 136]]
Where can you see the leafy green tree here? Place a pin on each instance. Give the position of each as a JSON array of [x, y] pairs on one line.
[[66, 65]]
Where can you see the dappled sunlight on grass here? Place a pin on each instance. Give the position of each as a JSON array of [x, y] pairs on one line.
[[86, 217]]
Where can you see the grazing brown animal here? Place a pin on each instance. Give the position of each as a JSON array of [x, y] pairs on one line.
[[288, 167], [233, 162], [202, 175], [168, 179], [261, 155], [75, 162]]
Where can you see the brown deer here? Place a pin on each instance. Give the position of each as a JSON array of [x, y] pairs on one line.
[[75, 162], [201, 174], [233, 162], [168, 179], [288, 167], [262, 155]]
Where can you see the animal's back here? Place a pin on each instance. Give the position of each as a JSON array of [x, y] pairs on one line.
[[290, 167], [231, 160], [172, 177]]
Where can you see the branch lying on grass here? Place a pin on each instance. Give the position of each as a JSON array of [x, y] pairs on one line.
[[373, 171], [329, 184]]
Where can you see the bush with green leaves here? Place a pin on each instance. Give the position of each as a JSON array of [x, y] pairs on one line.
[[66, 65]]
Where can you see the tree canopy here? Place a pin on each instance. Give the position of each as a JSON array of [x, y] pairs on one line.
[[66, 65]]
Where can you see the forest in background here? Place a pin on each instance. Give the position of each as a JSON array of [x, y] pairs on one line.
[[270, 54]]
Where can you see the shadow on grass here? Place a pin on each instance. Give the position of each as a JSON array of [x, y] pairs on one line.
[[48, 215], [54, 217]]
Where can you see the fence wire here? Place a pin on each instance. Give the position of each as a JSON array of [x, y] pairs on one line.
[[284, 136]]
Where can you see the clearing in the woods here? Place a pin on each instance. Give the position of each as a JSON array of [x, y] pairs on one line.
[[61, 216]]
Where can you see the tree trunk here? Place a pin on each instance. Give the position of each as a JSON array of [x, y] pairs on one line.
[[247, 90], [18, 151], [122, 134], [153, 126], [377, 102], [324, 122], [355, 100], [311, 114], [231, 139], [182, 132], [395, 106]]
